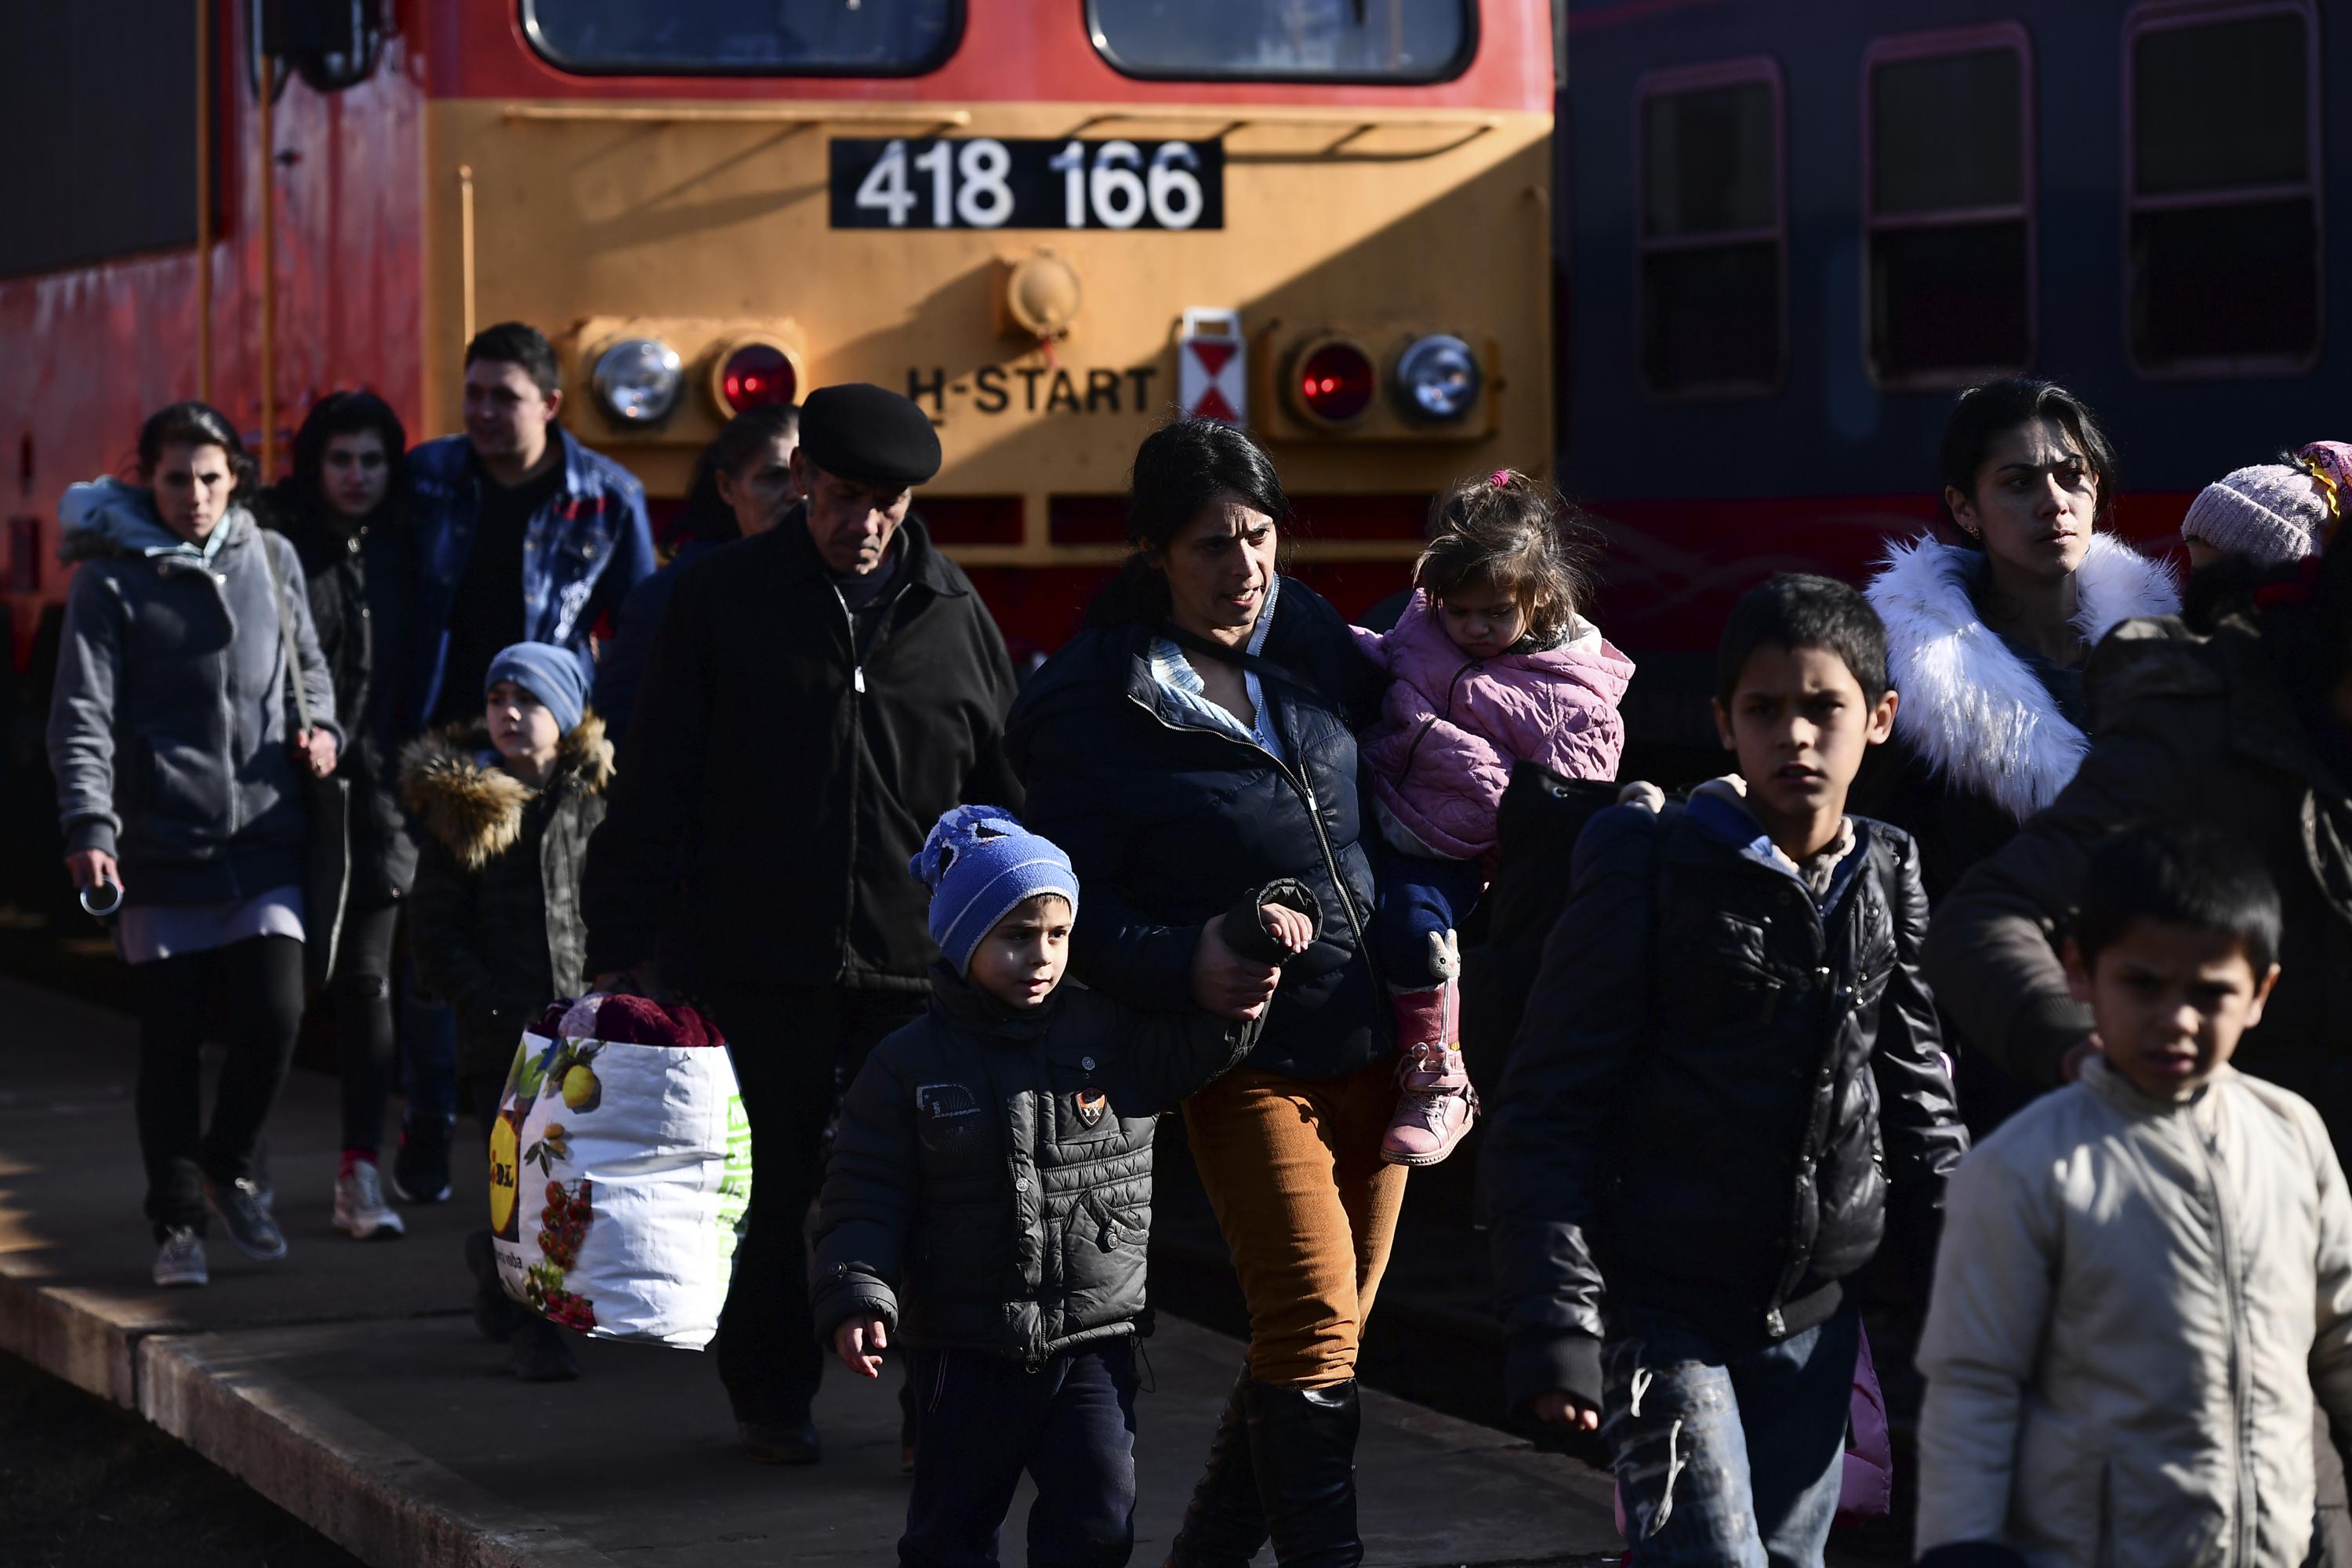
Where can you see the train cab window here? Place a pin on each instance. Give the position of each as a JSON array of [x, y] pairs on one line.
[[729, 37], [1284, 40], [1948, 155], [2222, 177], [99, 120], [1714, 230]]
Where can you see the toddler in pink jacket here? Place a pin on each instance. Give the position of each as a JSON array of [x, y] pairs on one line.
[[1493, 665]]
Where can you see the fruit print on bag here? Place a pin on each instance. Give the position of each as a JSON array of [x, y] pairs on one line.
[[562, 1226], [624, 1174]]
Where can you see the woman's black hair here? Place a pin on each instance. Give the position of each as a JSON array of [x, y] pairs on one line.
[[706, 515], [1182, 468], [195, 424], [1985, 413], [349, 414]]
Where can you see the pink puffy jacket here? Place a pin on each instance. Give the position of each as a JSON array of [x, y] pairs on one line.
[[1450, 727]]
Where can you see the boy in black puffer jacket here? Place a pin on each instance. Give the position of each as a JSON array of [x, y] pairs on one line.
[[994, 1161], [1727, 1061]]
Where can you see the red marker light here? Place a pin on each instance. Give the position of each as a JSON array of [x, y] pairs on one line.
[[756, 375], [1336, 382]]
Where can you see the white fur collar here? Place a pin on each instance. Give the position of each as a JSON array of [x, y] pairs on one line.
[[1971, 707]]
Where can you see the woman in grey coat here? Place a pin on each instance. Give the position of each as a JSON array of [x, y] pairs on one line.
[[178, 754]]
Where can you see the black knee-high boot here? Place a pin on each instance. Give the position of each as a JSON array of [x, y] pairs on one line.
[[1224, 1524], [1303, 1446]]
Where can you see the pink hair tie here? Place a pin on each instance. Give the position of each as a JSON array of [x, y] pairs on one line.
[[1501, 478]]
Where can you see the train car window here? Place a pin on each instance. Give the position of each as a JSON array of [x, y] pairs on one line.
[[1947, 173], [1714, 230], [1285, 40], [731, 38], [2222, 163], [99, 120]]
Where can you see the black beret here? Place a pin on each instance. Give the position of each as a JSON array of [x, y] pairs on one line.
[[869, 435]]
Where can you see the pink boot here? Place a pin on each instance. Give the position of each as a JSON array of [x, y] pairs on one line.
[[1437, 1105]]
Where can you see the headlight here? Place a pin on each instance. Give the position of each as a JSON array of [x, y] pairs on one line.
[[1439, 378], [637, 380]]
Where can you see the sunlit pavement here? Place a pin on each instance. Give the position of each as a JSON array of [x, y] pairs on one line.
[[347, 1383]]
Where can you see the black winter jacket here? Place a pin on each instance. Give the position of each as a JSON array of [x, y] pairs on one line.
[[993, 1168], [1713, 1091], [1168, 820], [2208, 729], [362, 578], [495, 916], [778, 783]]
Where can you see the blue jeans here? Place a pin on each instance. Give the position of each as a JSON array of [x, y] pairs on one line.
[[428, 1063], [1418, 897], [1727, 1460], [982, 1419]]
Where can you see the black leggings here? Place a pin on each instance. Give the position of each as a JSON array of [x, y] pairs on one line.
[[252, 990], [363, 1029]]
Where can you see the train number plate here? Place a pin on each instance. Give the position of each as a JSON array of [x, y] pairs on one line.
[[988, 182]]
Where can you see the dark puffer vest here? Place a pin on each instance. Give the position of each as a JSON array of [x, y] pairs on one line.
[[1713, 1091], [993, 1168]]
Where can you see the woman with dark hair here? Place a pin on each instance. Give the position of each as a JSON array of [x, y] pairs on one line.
[[343, 511], [1194, 741], [175, 743], [1986, 638], [742, 485]]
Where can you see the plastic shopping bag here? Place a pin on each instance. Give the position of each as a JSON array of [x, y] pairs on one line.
[[621, 1172]]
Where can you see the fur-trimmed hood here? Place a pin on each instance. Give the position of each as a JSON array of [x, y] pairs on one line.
[[451, 780], [1971, 709]]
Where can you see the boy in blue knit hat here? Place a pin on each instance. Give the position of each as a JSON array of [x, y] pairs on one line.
[[507, 805], [988, 1201]]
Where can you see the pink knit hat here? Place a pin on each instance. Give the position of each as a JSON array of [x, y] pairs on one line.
[[2272, 513]]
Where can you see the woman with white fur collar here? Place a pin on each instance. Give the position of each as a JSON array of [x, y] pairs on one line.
[[1986, 640]]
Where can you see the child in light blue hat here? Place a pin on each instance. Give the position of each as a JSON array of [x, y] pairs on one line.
[[987, 1203]]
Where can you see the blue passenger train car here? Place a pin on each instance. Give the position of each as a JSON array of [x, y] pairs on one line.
[[1788, 232]]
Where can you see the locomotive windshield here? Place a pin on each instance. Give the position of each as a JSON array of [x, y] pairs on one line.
[[1337, 40], [750, 37]]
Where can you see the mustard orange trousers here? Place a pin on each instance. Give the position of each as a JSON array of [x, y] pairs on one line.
[[1307, 1207]]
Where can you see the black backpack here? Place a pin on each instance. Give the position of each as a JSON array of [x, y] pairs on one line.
[[1540, 818]]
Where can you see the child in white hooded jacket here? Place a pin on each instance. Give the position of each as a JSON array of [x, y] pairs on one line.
[[2144, 1277]]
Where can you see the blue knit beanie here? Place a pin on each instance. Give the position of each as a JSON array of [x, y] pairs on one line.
[[979, 864], [550, 673]]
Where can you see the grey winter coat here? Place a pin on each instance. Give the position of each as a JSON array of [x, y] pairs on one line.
[[2136, 1302], [172, 724], [994, 1168], [495, 914]]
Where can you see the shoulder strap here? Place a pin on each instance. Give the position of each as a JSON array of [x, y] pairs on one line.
[[284, 629]]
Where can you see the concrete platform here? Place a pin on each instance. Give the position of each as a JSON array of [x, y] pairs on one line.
[[346, 1384]]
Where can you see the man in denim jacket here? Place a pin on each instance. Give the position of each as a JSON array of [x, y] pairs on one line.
[[524, 534]]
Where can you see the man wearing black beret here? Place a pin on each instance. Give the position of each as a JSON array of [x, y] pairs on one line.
[[816, 696]]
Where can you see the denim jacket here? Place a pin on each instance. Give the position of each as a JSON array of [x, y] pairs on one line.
[[587, 548]]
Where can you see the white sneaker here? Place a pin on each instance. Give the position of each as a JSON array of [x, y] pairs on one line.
[[360, 1207], [181, 1259]]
